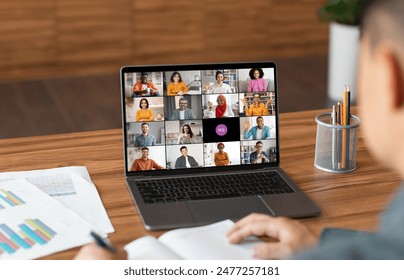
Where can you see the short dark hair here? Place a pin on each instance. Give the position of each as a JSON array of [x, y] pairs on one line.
[[144, 74], [140, 103], [145, 148], [145, 123], [220, 144], [183, 147], [258, 142], [173, 74], [251, 73], [373, 21], [217, 73], [260, 117]]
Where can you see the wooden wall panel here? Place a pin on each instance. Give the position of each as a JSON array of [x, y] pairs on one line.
[[45, 38], [26, 34]]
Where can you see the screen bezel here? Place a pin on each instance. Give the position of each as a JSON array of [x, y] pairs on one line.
[[195, 67]]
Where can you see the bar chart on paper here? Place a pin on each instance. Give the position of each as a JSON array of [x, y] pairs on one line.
[[29, 234], [9, 199], [32, 224]]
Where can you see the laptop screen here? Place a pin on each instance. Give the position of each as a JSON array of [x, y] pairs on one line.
[[219, 116]]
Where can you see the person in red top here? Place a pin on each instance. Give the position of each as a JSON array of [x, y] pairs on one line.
[[222, 110], [144, 163], [144, 87]]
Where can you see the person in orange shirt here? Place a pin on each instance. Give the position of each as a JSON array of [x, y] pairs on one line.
[[176, 85], [221, 158], [257, 108], [144, 114], [144, 163], [144, 87]]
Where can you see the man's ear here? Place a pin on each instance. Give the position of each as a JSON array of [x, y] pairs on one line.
[[396, 77]]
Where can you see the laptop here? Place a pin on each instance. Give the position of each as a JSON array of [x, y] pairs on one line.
[[201, 144]]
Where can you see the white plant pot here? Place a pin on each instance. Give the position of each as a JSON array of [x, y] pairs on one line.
[[342, 59]]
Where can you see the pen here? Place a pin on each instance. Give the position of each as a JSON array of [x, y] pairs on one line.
[[334, 137], [103, 242]]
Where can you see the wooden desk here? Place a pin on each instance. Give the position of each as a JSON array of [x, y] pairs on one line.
[[351, 200]]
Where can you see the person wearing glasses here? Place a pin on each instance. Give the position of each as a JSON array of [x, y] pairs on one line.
[[183, 112], [257, 108], [258, 156]]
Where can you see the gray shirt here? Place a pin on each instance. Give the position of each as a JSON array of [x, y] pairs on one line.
[[188, 114], [385, 243]]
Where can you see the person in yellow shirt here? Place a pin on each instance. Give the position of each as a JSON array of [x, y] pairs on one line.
[[257, 108], [221, 158], [176, 85], [144, 113]]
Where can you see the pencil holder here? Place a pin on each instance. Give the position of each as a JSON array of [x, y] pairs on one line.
[[336, 145]]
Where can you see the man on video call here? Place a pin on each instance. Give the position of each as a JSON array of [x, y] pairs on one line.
[[381, 103]]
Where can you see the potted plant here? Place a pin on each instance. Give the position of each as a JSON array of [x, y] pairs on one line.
[[344, 18]]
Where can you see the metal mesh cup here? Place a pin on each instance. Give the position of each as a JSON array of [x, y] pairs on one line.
[[336, 145]]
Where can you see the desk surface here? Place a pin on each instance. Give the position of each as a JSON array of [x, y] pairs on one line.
[[351, 200]]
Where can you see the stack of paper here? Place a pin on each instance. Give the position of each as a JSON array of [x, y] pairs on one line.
[[46, 211]]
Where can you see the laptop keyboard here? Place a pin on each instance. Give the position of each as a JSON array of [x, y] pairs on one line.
[[212, 187]]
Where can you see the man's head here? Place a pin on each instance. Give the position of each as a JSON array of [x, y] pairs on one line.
[[256, 98], [145, 153], [183, 104], [145, 128], [184, 151], [260, 122], [381, 80], [220, 147], [259, 146], [143, 77]]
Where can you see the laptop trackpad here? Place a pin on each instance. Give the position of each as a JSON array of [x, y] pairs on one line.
[[222, 209]]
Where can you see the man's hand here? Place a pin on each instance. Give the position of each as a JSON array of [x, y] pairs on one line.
[[93, 252], [291, 235]]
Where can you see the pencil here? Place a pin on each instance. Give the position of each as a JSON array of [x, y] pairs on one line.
[[339, 111], [343, 122], [334, 138]]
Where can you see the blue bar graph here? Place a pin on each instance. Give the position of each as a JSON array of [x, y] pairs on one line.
[[6, 248], [32, 234], [45, 226], [15, 237], [6, 200]]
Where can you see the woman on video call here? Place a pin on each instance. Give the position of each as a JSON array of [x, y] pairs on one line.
[[176, 85], [187, 136], [257, 83], [144, 113]]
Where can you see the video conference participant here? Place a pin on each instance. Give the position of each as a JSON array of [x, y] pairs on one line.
[[257, 108], [186, 136], [144, 113], [185, 161], [220, 87], [183, 112], [176, 85], [221, 158], [145, 139], [144, 87], [222, 109], [144, 163], [257, 83], [259, 156], [258, 132]]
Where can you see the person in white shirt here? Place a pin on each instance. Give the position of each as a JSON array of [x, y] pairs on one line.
[[220, 87]]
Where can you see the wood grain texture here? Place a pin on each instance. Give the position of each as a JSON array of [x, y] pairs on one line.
[[351, 200], [53, 38]]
